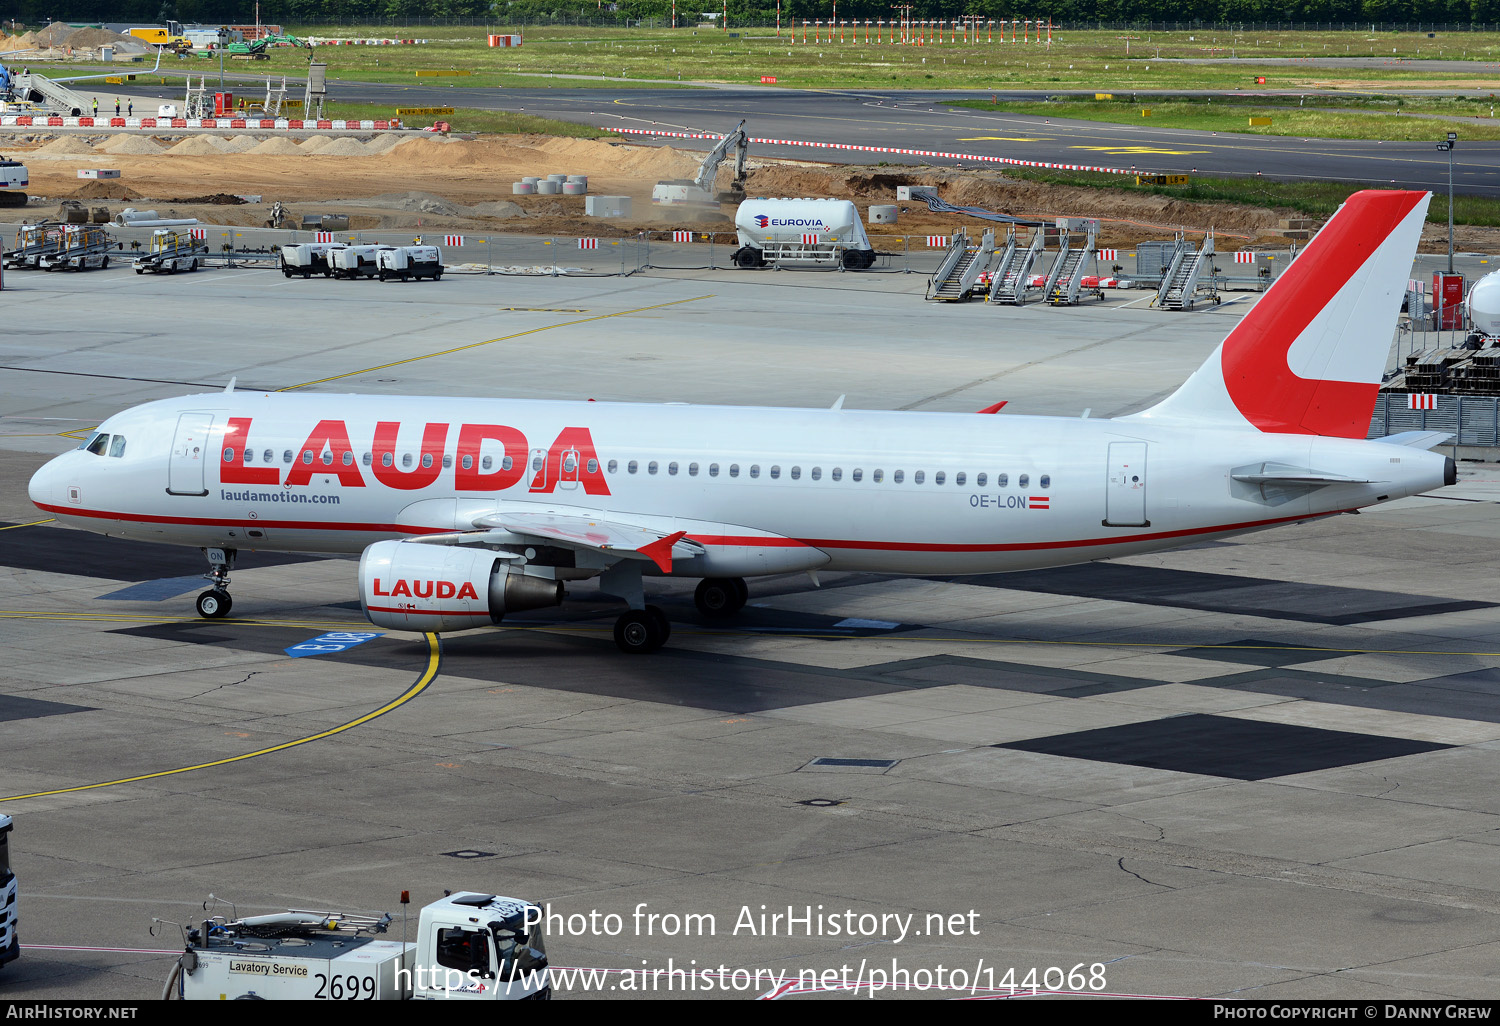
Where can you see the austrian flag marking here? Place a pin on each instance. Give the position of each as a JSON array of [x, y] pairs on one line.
[[1039, 502]]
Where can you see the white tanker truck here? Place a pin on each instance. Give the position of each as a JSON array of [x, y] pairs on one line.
[[1483, 305], [801, 233]]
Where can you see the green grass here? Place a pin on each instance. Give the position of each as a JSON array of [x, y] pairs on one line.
[[1081, 61], [1076, 60], [1357, 122], [470, 120]]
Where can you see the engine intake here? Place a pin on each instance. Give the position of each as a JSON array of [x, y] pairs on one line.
[[411, 586]]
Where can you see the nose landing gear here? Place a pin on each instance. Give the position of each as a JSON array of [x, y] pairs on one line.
[[215, 603]]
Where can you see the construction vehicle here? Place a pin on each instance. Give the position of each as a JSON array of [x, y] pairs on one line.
[[259, 50], [164, 37], [10, 943], [469, 947], [34, 241], [84, 248], [14, 178], [309, 258], [801, 232], [407, 262], [699, 192], [171, 252], [357, 261]]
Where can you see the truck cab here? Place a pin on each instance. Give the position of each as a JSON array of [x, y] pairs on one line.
[[481, 946], [10, 945]]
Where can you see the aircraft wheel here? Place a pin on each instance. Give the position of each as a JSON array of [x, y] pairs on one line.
[[663, 625], [638, 633], [214, 604], [718, 597]]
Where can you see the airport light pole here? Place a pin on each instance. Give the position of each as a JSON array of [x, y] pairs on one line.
[[1452, 141]]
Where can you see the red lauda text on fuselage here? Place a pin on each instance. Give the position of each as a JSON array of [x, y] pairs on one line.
[[570, 458]]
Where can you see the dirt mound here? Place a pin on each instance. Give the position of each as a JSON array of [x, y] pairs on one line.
[[315, 143], [104, 189], [499, 208], [435, 153], [93, 38], [280, 147], [220, 199], [131, 144], [412, 202], [199, 146], [344, 148], [240, 143], [381, 143], [66, 144]]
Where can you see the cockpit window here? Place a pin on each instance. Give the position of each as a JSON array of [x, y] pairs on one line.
[[99, 444], [117, 446]]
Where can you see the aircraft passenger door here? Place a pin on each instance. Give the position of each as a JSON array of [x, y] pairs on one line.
[[540, 471], [568, 472], [1125, 489], [186, 473]]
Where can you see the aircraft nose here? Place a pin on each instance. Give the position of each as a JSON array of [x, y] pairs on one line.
[[43, 487]]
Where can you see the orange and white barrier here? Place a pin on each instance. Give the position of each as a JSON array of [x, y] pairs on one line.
[[453, 240], [985, 158], [682, 236], [588, 243], [504, 40], [937, 241], [1244, 256], [259, 124]]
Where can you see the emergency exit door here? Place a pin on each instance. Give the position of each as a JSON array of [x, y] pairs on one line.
[[186, 472], [1125, 488]]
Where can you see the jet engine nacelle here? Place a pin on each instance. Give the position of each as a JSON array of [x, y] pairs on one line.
[[411, 586]]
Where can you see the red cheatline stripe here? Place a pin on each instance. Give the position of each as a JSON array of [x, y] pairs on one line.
[[734, 541], [426, 612]]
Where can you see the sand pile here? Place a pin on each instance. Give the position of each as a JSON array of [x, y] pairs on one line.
[[240, 143], [436, 153], [199, 146], [131, 144], [279, 147], [498, 208], [381, 143], [66, 144], [345, 147], [104, 189]]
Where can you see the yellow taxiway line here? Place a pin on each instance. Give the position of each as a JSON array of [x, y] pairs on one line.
[[424, 680]]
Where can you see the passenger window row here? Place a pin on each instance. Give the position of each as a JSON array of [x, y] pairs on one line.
[[959, 478]]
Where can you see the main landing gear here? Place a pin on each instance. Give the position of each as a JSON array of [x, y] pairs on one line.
[[718, 597], [215, 602], [643, 629]]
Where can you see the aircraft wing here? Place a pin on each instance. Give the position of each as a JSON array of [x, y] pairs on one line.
[[108, 74], [612, 538]]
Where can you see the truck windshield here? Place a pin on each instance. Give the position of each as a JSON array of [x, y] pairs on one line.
[[5, 853], [520, 951]]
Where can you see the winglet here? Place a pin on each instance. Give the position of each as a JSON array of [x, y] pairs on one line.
[[660, 551], [995, 408]]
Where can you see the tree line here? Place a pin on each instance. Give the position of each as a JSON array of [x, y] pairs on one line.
[[1352, 14]]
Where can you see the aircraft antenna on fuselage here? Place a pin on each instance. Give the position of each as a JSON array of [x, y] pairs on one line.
[[838, 404], [230, 387]]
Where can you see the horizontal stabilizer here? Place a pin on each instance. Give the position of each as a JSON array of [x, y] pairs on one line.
[[1416, 439]]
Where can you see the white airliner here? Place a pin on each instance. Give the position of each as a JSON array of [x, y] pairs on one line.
[[466, 509]]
